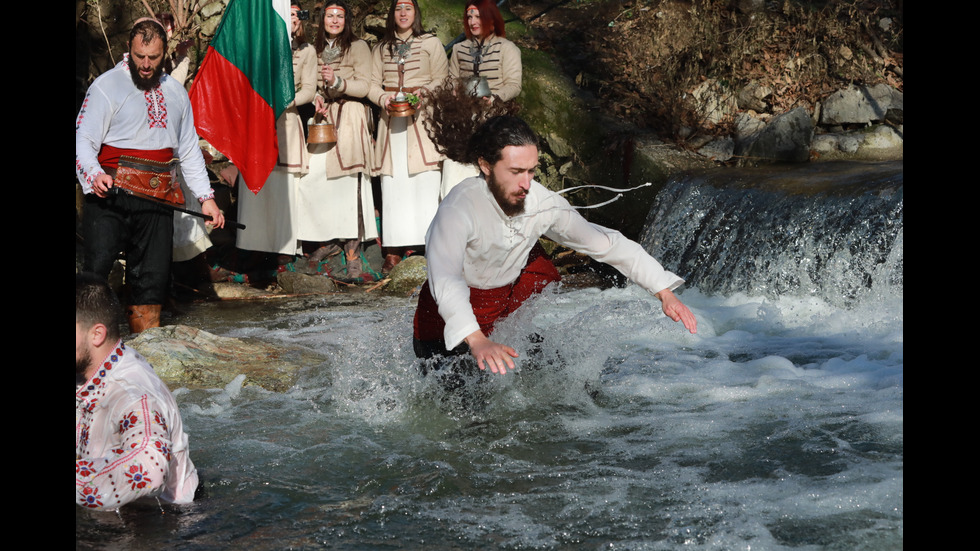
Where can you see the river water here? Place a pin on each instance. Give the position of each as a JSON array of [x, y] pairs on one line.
[[778, 426]]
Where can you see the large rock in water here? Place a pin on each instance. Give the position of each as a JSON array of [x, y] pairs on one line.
[[407, 276], [189, 357]]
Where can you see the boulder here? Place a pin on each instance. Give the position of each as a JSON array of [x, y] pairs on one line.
[[714, 101], [862, 105], [753, 96], [879, 142], [786, 138], [407, 276], [185, 356], [301, 284], [719, 149]]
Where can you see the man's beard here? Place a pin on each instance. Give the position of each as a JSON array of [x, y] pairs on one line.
[[81, 364], [145, 84], [502, 199]]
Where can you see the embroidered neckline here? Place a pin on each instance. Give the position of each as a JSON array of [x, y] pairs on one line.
[[93, 388]]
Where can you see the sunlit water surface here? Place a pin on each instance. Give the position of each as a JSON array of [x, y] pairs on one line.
[[778, 426]]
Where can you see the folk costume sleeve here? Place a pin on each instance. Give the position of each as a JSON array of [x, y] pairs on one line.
[[181, 70], [91, 126], [511, 71], [129, 439], [294, 157], [453, 68], [188, 148], [306, 66], [376, 91], [352, 72], [447, 237], [438, 63]]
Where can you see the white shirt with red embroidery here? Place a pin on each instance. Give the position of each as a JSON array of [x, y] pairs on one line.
[[115, 112], [129, 437]]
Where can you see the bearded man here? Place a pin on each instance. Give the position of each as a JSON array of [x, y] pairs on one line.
[[483, 255], [134, 125], [129, 436]]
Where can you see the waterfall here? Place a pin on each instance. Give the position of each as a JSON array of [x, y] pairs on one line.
[[833, 230]]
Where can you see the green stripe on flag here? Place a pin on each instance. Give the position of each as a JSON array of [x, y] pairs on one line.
[[254, 38]]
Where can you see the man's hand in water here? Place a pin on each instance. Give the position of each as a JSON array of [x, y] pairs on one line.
[[676, 310], [490, 354]]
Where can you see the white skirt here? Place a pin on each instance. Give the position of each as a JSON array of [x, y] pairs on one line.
[[326, 208], [269, 216], [409, 201]]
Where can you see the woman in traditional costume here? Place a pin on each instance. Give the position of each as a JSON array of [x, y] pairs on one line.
[[269, 215], [335, 199], [486, 64], [408, 64]]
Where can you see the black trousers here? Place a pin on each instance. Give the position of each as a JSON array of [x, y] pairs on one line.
[[144, 231]]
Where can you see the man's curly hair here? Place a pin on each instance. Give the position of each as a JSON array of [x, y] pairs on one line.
[[452, 115]]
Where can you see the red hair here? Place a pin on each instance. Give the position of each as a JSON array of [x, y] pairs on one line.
[[490, 17]]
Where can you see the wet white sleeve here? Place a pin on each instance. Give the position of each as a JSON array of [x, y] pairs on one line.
[[612, 247], [445, 248]]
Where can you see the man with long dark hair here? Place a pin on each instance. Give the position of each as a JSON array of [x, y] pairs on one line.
[[483, 254]]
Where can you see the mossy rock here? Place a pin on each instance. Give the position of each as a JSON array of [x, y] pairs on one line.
[[407, 276]]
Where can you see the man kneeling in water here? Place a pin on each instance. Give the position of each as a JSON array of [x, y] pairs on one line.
[[483, 255]]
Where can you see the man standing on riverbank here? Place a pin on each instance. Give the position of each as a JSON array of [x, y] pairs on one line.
[[483, 254], [129, 437], [134, 124]]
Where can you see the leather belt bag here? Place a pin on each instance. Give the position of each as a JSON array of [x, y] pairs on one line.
[[152, 178]]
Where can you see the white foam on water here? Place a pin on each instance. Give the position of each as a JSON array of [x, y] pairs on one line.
[[778, 426]]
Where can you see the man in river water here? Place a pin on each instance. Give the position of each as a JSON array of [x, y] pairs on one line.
[[129, 437], [483, 254]]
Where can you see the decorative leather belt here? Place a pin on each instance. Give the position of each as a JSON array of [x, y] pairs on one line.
[[153, 178], [407, 89]]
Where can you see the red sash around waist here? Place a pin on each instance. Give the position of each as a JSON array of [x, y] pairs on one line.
[[109, 155], [489, 305]]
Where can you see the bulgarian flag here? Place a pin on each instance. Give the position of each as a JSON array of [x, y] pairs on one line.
[[244, 84]]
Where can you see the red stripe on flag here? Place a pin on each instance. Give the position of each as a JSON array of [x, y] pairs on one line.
[[232, 117]]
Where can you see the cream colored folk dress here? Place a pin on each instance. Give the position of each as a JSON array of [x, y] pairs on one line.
[[405, 156], [339, 179]]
